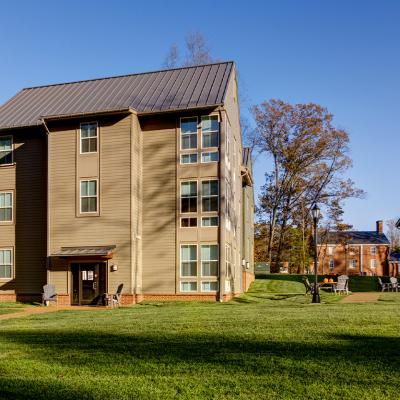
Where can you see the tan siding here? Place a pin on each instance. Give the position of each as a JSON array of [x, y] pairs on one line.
[[159, 204]]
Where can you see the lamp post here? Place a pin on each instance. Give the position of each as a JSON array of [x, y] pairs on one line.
[[316, 214]]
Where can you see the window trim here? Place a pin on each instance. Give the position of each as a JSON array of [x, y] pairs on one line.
[[209, 291], [97, 197], [12, 263], [191, 277], [189, 227], [190, 163], [373, 261], [218, 132], [217, 196], [209, 152], [210, 226], [12, 150], [80, 137], [208, 277], [197, 133], [12, 207], [197, 197]]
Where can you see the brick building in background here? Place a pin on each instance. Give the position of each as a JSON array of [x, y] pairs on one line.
[[354, 253]]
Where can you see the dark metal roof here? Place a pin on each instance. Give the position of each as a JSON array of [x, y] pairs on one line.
[[355, 237], [394, 257], [158, 91], [85, 251]]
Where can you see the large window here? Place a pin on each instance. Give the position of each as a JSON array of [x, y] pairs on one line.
[[89, 137], [6, 150], [209, 286], [188, 260], [189, 133], [188, 222], [6, 207], [189, 158], [207, 157], [6, 263], [189, 286], [189, 197], [210, 131], [209, 260], [207, 222], [89, 196], [209, 195]]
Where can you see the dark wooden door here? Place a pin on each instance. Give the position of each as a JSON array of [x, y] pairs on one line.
[[88, 283]]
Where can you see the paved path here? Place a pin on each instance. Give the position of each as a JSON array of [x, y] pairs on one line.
[[361, 298]]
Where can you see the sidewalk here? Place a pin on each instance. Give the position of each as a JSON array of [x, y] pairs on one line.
[[361, 298]]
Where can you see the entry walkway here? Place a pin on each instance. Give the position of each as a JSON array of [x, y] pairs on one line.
[[361, 298]]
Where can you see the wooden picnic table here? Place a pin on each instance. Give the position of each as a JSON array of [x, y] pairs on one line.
[[327, 285]]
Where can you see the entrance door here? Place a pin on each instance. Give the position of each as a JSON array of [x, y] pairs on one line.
[[88, 283]]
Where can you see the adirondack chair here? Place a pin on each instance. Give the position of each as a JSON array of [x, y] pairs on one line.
[[116, 298], [308, 286], [384, 286], [342, 285], [49, 294], [394, 283]]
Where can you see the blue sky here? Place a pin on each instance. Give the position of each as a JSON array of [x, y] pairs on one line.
[[341, 54]]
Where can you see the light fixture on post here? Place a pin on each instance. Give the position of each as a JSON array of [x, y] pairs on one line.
[[316, 213]]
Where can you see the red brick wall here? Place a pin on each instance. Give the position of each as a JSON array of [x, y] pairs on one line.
[[8, 297], [248, 279]]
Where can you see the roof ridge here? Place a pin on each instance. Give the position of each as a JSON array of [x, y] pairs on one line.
[[127, 75]]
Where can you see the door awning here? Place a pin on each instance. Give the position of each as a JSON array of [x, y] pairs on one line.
[[86, 251]]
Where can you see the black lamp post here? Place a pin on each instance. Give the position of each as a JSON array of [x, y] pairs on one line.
[[316, 214]]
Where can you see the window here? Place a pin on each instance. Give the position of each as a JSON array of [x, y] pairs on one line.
[[189, 133], [209, 260], [209, 221], [209, 131], [6, 207], [373, 251], [189, 158], [330, 250], [89, 137], [352, 263], [89, 196], [188, 260], [189, 286], [189, 197], [6, 264], [6, 150], [228, 261], [373, 263], [211, 156], [188, 222], [209, 286], [331, 264], [209, 196]]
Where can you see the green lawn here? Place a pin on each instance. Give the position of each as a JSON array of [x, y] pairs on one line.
[[11, 307], [269, 344]]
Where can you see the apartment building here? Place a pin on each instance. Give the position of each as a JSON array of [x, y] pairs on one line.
[[354, 253], [140, 180]]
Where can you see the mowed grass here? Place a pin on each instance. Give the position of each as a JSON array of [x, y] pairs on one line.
[[11, 307], [269, 344]]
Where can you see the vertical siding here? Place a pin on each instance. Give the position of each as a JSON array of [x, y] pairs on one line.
[[159, 204]]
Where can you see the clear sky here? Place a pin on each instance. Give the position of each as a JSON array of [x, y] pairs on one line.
[[344, 55]]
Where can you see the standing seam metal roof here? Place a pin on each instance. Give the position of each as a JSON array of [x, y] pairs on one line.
[[149, 92]]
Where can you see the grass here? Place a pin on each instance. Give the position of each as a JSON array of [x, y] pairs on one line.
[[11, 307], [268, 344]]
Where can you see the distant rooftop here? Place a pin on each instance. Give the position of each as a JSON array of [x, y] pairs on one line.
[[158, 91], [355, 237]]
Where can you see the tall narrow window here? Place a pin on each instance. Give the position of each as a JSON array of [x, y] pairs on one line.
[[209, 195], [228, 261], [352, 263], [188, 260], [209, 260], [373, 263], [189, 133], [6, 150], [189, 197], [89, 196], [210, 131], [89, 137], [6, 207], [373, 251], [331, 264], [6, 264]]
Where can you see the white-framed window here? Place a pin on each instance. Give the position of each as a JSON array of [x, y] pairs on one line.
[[209, 195], [209, 131], [6, 263], [209, 260], [330, 250], [188, 133], [209, 156], [6, 150], [373, 263], [89, 137], [6, 206], [188, 222], [190, 158], [331, 263], [189, 286], [373, 250], [209, 286], [89, 196], [207, 222], [189, 197], [188, 260], [352, 263]]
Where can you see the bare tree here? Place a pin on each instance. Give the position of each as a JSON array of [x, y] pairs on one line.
[[393, 235], [172, 57]]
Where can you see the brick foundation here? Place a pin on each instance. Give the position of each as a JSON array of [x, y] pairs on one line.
[[128, 299], [180, 297], [248, 279], [63, 299], [8, 297]]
